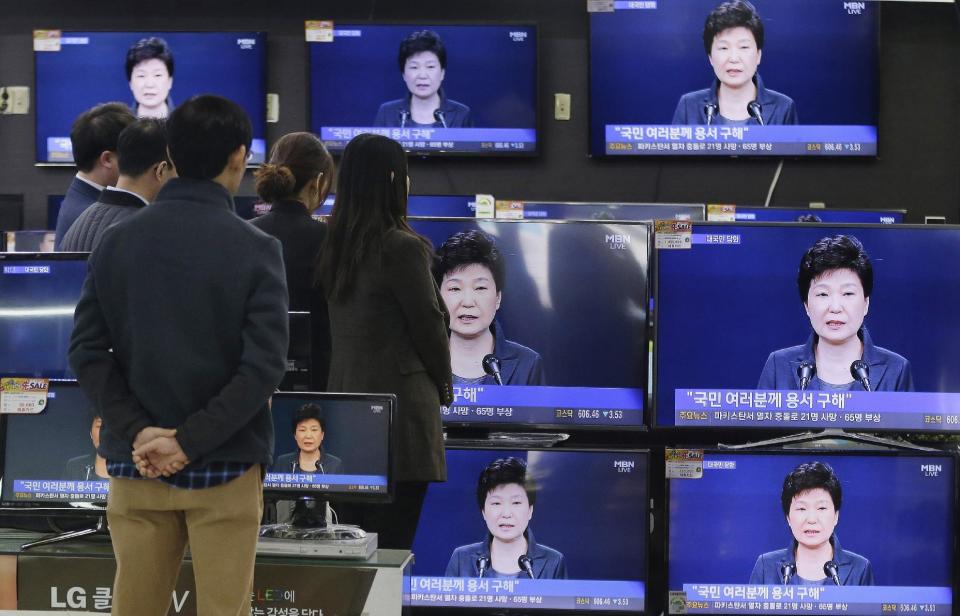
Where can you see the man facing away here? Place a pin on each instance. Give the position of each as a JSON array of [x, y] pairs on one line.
[[93, 137], [144, 168], [179, 340]]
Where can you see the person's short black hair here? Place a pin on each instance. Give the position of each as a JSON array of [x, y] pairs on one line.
[[810, 476], [422, 40], [97, 130], [308, 411], [833, 253], [504, 471], [142, 145], [203, 132], [466, 248], [148, 49], [735, 14]]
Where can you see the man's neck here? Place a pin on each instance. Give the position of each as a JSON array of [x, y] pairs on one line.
[[132, 185], [91, 178]]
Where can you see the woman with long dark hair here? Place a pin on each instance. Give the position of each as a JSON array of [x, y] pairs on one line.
[[388, 324]]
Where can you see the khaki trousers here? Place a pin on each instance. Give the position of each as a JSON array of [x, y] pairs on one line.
[[152, 523]]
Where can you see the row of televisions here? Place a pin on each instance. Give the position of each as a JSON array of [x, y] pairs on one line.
[[489, 81], [605, 530], [675, 331]]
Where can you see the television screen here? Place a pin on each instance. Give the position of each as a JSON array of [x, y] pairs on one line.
[[331, 445], [77, 70], [28, 241], [743, 213], [756, 533], [69, 470], [591, 557], [548, 210], [666, 81], [742, 367], [38, 293], [566, 356], [452, 89]]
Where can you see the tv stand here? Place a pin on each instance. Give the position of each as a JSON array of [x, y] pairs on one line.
[[99, 528]]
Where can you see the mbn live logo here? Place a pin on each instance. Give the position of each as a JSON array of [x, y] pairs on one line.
[[855, 8], [931, 470]]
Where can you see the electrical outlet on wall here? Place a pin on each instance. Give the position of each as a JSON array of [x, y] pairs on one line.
[[561, 106], [14, 100]]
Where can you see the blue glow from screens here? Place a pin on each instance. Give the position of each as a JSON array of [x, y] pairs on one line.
[[584, 361], [748, 277], [645, 55], [611, 564], [231, 64], [904, 530], [37, 299], [489, 89]]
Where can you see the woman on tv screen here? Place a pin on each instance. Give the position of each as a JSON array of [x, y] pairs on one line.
[[423, 65], [835, 281], [733, 40], [811, 499], [470, 272]]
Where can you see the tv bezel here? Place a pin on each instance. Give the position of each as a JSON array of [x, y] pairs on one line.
[[572, 427], [538, 120], [262, 81], [655, 320]]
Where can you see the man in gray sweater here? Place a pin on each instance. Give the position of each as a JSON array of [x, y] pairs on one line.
[[144, 168], [180, 338]]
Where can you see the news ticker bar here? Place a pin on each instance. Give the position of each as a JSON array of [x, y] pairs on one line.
[[860, 600], [518, 593], [738, 139], [512, 404], [876, 410], [60, 150], [440, 139]]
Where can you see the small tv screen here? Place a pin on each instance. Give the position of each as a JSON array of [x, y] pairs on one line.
[[561, 306], [38, 293], [710, 78], [437, 89], [28, 241], [331, 445], [746, 213], [151, 72], [471, 540], [779, 349], [813, 533], [67, 431]]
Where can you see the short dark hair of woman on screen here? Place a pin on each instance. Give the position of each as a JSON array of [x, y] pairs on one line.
[[506, 495], [470, 271], [835, 281], [423, 65], [309, 428], [810, 499], [300, 169], [149, 68], [733, 38]]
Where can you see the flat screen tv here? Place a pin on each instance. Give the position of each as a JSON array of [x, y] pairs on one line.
[[352, 433], [76, 70], [813, 532], [437, 89], [770, 78], [741, 342], [579, 558], [67, 431], [566, 321], [747, 213], [38, 293]]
